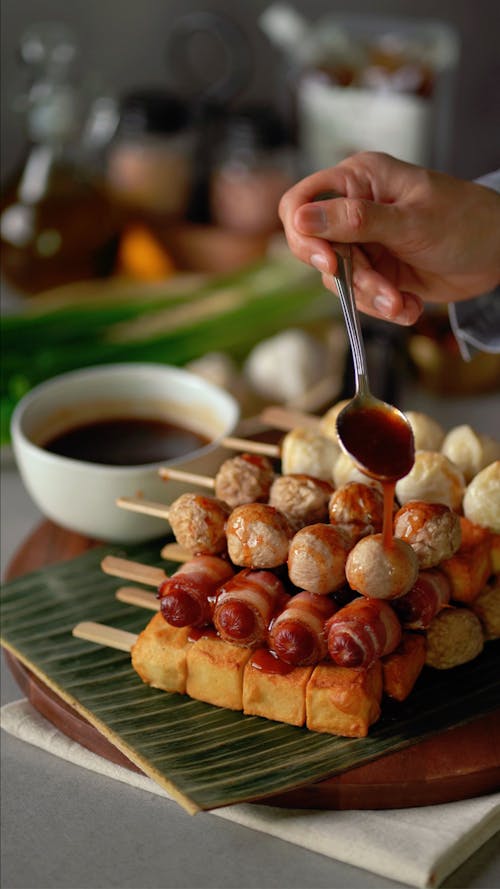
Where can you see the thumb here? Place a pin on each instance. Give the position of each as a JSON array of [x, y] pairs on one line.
[[351, 220]]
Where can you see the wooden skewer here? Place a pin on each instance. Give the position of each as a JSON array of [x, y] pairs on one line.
[[134, 571], [133, 595], [251, 447], [176, 553], [192, 477], [148, 507], [104, 635], [285, 418]]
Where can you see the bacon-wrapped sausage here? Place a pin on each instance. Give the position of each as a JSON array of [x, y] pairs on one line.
[[362, 632], [297, 634], [186, 598], [246, 478], [317, 558], [198, 523], [430, 593], [246, 604], [258, 536]]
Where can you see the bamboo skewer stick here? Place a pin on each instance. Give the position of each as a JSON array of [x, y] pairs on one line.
[[101, 634], [205, 481], [251, 447], [134, 571], [176, 553], [132, 595], [148, 507], [285, 418]]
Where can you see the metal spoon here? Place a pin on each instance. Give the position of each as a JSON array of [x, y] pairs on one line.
[[375, 434]]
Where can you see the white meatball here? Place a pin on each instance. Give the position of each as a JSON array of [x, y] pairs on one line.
[[427, 432], [305, 451], [328, 422], [347, 470], [470, 450], [482, 498], [433, 478], [381, 572]]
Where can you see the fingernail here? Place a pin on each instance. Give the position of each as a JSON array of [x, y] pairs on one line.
[[320, 262], [312, 220], [384, 305]]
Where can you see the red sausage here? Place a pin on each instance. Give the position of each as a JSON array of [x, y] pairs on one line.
[[297, 635], [246, 605], [362, 632], [186, 598], [430, 593]]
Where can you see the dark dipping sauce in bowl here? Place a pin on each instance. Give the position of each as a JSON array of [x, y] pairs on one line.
[[126, 441]]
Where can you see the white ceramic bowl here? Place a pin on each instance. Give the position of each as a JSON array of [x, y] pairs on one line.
[[81, 495]]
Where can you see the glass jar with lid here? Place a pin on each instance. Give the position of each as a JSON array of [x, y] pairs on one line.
[[255, 163], [149, 165]]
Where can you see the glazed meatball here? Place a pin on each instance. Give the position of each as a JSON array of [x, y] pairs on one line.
[[482, 498], [198, 523], [305, 451], [357, 510], [258, 536], [301, 498], [433, 478], [246, 478], [432, 530], [381, 572], [317, 557]]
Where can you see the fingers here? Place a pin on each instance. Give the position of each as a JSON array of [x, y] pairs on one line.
[[377, 296]]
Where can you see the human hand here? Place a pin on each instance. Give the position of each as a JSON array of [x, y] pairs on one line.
[[419, 235]]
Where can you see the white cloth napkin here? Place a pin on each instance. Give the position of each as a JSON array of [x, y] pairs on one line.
[[419, 847]]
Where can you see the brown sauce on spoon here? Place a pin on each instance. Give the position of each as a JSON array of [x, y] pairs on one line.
[[380, 440]]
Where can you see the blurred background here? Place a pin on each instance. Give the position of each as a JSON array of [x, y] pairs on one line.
[[147, 143]]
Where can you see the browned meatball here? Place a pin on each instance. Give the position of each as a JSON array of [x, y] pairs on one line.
[[432, 530], [301, 498], [258, 536], [246, 478], [317, 557], [198, 523], [357, 510], [381, 572]]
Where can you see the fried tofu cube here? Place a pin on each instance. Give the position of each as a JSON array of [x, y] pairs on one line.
[[403, 666], [159, 655], [343, 700], [215, 672], [487, 608], [495, 553], [275, 694], [470, 567]]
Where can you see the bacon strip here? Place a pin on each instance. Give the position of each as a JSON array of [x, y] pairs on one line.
[[429, 595], [246, 604], [297, 635], [362, 632], [186, 598]]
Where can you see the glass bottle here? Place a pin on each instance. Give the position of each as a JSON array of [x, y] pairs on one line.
[[56, 224]]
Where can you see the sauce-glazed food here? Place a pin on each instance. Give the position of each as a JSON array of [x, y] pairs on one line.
[[315, 623]]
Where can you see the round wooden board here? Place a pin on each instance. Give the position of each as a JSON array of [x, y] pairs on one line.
[[460, 763]]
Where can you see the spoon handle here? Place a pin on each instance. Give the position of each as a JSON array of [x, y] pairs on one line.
[[343, 281]]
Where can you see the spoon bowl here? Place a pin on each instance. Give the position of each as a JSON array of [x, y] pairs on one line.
[[377, 435]]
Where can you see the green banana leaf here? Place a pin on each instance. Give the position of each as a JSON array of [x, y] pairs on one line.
[[205, 756]]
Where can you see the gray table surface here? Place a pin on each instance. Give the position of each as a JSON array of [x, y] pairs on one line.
[[65, 827]]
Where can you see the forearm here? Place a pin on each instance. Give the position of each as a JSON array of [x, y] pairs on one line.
[[476, 322]]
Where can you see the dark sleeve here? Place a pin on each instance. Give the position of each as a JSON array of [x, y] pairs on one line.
[[476, 322]]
